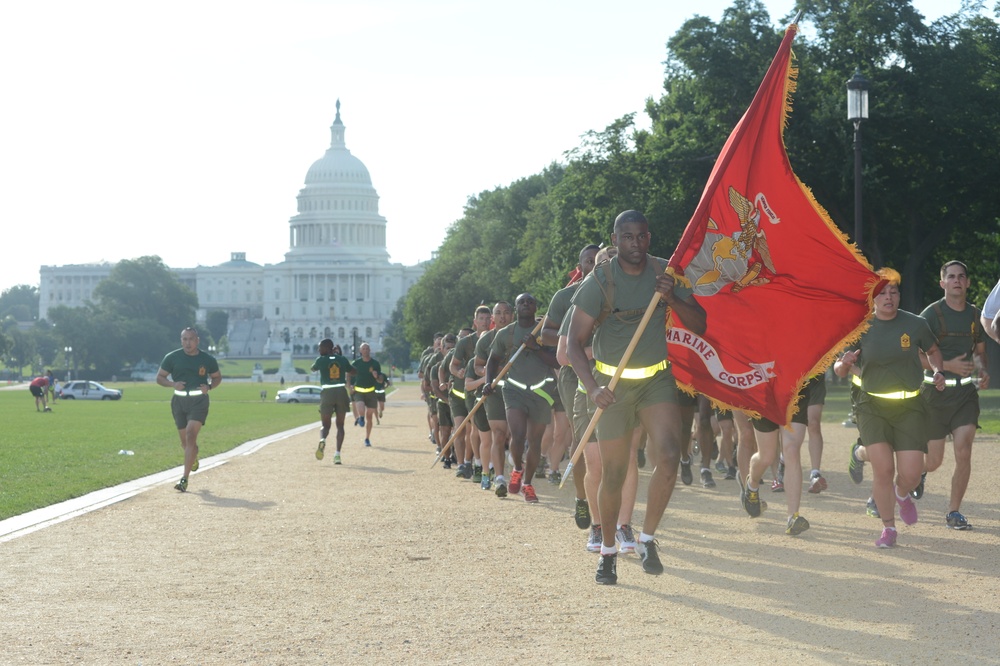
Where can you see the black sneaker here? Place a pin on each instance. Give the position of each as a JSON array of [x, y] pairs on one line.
[[582, 514], [607, 570], [641, 455], [856, 468], [501, 490], [686, 475], [731, 474], [182, 485], [461, 471], [871, 509], [650, 560], [957, 521], [751, 500], [918, 492], [446, 463], [706, 479]]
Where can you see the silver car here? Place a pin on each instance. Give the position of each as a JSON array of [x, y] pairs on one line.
[[303, 393], [83, 390]]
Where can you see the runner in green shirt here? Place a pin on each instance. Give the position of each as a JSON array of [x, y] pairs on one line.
[[191, 373], [496, 411], [369, 371], [891, 415], [335, 381], [647, 393]]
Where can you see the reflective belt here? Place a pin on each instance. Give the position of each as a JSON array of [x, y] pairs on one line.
[[951, 382], [457, 393], [359, 389], [580, 387], [632, 373], [187, 393], [895, 395], [326, 386], [534, 388]]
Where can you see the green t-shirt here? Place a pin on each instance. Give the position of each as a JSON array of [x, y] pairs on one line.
[[528, 368], [332, 369], [957, 333], [192, 370], [890, 353], [559, 305], [365, 379], [483, 345], [465, 349], [446, 364], [632, 296]]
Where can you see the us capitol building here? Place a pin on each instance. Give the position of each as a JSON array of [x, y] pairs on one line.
[[336, 280]]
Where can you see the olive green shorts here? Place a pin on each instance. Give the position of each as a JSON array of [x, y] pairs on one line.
[[538, 409], [632, 396], [189, 408], [371, 402], [444, 415], [583, 410], [334, 401], [495, 408], [901, 423], [479, 418], [458, 408], [950, 409]]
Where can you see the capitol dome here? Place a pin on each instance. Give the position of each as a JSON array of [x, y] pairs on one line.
[[338, 218]]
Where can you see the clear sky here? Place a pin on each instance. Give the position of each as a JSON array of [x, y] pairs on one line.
[[185, 129]]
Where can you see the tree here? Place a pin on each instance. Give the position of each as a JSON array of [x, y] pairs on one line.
[[394, 342], [20, 302], [217, 322]]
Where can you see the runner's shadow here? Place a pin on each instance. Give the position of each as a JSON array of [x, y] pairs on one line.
[[234, 502]]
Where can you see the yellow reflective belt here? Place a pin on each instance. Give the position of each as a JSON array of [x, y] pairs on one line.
[[458, 393], [535, 388], [579, 387], [951, 382], [895, 395], [856, 380], [358, 389], [632, 373]]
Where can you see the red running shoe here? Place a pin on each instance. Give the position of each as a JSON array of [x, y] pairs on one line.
[[515, 482], [529, 493]]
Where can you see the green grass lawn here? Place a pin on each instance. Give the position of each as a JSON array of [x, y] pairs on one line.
[[46, 458]]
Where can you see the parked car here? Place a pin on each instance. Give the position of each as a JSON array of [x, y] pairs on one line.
[[82, 390], [302, 393]]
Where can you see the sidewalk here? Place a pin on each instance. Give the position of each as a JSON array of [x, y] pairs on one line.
[[276, 558]]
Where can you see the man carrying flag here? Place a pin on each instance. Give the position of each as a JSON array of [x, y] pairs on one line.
[[614, 298]]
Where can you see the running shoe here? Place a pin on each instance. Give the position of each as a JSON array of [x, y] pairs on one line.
[[706, 479], [446, 463], [501, 489], [555, 477], [487, 482], [361, 421], [907, 510], [781, 472], [871, 508], [515, 482], [182, 485], [856, 468], [686, 475], [595, 539], [529, 493], [477, 474], [777, 486], [626, 539], [319, 450], [817, 484], [957, 521], [888, 538], [650, 560], [641, 457], [751, 500], [796, 525], [720, 466], [368, 442], [582, 514], [918, 492], [607, 570], [336, 458], [731, 474], [460, 474], [195, 466], [357, 422]]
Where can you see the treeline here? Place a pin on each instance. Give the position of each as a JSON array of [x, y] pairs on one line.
[[929, 151]]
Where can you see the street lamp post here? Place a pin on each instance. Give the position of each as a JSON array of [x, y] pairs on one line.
[[68, 351], [857, 110]]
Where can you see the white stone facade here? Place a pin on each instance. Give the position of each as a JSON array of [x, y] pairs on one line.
[[336, 279]]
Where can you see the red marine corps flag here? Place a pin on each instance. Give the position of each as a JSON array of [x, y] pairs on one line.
[[783, 288]]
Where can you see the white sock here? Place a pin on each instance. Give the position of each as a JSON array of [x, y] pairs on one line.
[[643, 537], [609, 550], [813, 473], [478, 462], [499, 478]]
